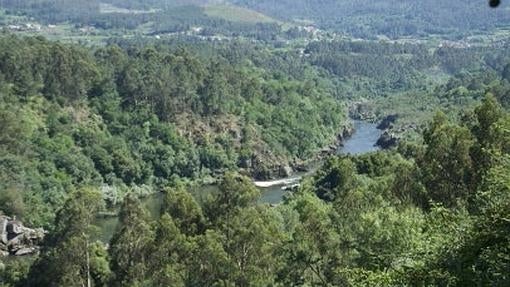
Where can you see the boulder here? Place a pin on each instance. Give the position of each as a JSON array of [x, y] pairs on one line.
[[14, 228], [387, 122], [246, 163], [3, 230], [387, 140], [301, 168], [17, 239], [16, 242]]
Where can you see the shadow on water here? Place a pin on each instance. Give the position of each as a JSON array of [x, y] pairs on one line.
[[153, 204], [362, 141]]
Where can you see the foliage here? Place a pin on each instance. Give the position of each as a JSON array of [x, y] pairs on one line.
[[391, 18], [124, 118]]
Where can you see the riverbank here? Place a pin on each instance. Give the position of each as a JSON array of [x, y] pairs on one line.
[[361, 139]]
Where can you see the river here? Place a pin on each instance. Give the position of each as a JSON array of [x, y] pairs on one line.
[[362, 141]]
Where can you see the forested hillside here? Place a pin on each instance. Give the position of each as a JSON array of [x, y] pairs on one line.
[[206, 143], [138, 118], [145, 117], [428, 214], [149, 17], [391, 18]]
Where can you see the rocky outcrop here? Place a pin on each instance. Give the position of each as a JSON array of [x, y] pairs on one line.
[[387, 122], [261, 172], [285, 171], [265, 167], [387, 140], [347, 132], [362, 111], [18, 240]]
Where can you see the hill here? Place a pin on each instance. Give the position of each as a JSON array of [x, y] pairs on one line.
[[391, 18]]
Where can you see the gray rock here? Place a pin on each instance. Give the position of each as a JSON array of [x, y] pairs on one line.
[[387, 122], [17, 239], [301, 168], [3, 230], [387, 140], [246, 163], [16, 242], [14, 228]]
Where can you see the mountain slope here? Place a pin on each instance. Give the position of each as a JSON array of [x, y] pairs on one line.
[[394, 18]]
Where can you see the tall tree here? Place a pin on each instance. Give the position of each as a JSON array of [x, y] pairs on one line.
[[69, 250], [235, 192], [184, 210], [487, 115], [130, 244], [169, 254], [447, 165]]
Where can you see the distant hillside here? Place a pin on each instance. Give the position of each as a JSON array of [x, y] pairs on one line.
[[54, 11], [152, 16], [393, 18], [236, 14]]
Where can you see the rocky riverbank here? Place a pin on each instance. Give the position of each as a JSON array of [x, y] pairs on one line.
[[262, 168], [392, 133], [18, 240]]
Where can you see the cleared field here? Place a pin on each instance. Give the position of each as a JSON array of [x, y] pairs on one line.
[[109, 9], [237, 14]]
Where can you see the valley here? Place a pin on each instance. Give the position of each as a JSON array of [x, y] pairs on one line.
[[254, 143]]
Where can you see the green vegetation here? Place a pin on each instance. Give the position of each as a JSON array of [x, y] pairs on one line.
[[431, 214], [111, 17], [164, 96], [389, 18], [236, 14], [138, 120]]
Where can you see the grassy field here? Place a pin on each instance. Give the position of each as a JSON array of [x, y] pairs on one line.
[[237, 14], [109, 9]]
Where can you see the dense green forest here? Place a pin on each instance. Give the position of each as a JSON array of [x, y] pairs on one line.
[[428, 214], [104, 104], [143, 118], [81, 128], [138, 118]]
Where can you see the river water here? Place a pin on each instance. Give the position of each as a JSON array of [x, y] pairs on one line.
[[362, 141]]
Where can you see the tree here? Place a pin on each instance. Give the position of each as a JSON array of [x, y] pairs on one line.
[[169, 254], [312, 252], [447, 165], [235, 192], [487, 114], [252, 239], [184, 210], [209, 263], [337, 177], [69, 252], [130, 245]]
